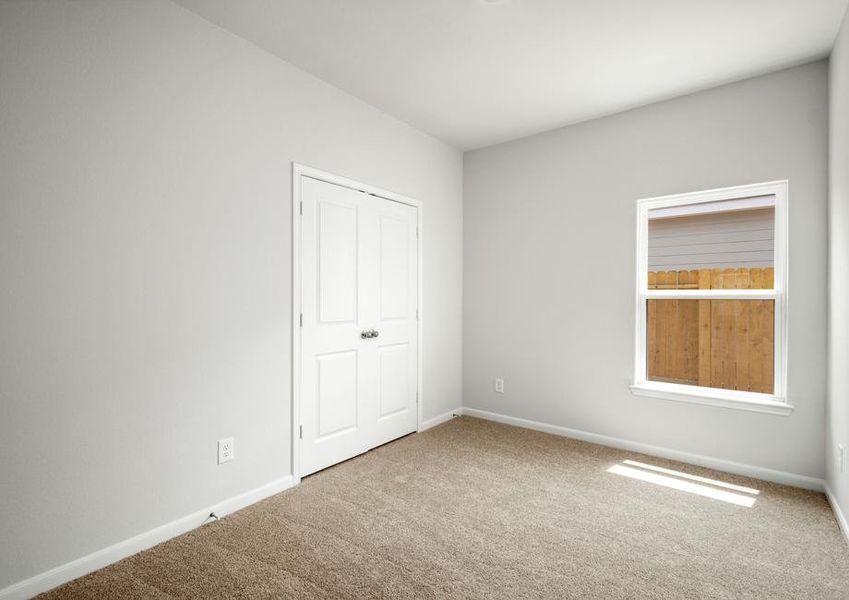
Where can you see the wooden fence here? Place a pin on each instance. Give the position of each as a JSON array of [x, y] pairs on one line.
[[716, 343]]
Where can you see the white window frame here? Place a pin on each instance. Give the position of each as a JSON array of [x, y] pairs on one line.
[[775, 403]]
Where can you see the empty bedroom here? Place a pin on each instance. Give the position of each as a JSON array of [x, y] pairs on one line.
[[429, 299]]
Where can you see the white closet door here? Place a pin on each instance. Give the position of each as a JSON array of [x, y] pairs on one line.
[[394, 254], [359, 336]]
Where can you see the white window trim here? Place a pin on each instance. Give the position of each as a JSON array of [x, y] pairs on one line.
[[775, 403]]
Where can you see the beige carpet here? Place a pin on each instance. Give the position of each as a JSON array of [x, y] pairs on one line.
[[472, 509]]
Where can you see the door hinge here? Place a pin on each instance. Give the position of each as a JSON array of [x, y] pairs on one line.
[[301, 431], [417, 314], [417, 231], [417, 397], [301, 207], [301, 319]]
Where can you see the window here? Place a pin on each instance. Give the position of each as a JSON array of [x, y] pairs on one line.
[[712, 298]]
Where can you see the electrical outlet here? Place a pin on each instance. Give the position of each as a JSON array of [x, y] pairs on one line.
[[499, 385], [226, 450], [840, 455]]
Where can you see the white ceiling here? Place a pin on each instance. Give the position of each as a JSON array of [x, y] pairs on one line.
[[475, 73]]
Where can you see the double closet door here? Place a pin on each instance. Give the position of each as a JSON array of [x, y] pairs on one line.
[[359, 337]]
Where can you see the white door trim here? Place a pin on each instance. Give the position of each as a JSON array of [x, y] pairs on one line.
[[298, 171]]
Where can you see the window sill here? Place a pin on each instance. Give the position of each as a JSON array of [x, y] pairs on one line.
[[749, 401]]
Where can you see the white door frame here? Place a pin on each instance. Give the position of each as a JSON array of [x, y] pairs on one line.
[[298, 171]]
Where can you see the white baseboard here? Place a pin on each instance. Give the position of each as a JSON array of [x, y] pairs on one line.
[[106, 556], [802, 481], [101, 558], [440, 419], [838, 513]]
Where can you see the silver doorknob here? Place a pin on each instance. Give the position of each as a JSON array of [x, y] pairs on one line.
[[368, 334]]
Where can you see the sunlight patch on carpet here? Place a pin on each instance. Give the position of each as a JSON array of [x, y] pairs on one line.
[[676, 480]]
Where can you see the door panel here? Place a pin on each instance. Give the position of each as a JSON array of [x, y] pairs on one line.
[[336, 393], [393, 379], [359, 273], [337, 262], [394, 267]]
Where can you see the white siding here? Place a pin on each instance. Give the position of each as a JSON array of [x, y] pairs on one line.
[[730, 239]]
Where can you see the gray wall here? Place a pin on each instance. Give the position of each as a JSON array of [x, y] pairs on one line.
[[557, 322], [145, 263], [838, 342]]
